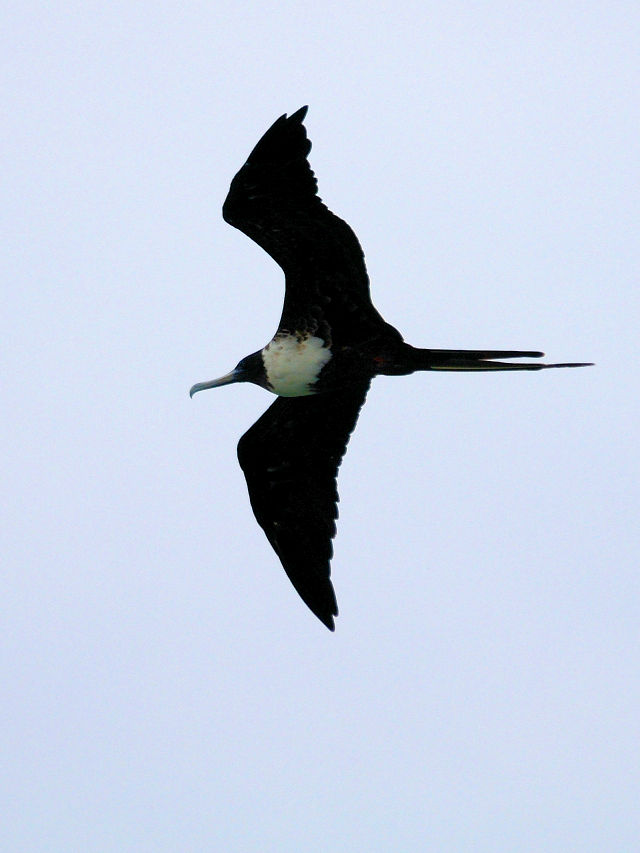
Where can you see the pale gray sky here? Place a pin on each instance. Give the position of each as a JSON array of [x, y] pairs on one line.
[[164, 687]]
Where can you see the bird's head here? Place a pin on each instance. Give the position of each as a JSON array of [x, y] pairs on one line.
[[249, 369]]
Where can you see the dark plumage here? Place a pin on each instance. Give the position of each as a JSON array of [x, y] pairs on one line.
[[331, 342]]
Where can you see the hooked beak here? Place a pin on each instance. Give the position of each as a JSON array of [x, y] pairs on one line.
[[215, 383]]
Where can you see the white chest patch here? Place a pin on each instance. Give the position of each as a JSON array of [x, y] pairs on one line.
[[293, 365]]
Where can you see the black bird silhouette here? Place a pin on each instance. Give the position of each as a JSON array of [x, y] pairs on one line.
[[330, 344]]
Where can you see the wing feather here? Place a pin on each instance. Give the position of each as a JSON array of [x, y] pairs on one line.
[[273, 200], [290, 458]]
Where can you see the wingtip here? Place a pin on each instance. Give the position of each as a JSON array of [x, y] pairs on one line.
[[328, 622], [327, 616], [300, 114]]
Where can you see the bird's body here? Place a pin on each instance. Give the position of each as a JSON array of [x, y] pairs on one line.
[[330, 343]]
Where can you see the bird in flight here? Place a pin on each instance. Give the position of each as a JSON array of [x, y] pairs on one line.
[[330, 343]]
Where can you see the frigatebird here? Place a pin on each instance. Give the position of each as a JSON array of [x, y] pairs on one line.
[[330, 343]]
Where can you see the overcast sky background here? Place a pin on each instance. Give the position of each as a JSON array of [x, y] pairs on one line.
[[164, 689]]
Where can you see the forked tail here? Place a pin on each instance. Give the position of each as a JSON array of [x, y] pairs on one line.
[[471, 359]]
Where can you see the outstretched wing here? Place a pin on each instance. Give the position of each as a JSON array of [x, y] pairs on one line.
[[290, 458], [273, 199]]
